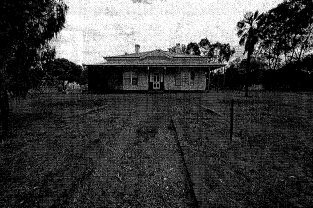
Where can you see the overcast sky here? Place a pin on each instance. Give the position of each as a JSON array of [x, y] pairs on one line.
[[97, 28]]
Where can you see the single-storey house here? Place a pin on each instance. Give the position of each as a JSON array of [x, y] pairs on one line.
[[155, 70]]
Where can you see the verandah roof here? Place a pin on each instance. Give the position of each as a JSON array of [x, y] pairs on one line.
[[160, 65]]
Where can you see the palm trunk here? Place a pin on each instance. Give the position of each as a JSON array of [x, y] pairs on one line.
[[247, 73]]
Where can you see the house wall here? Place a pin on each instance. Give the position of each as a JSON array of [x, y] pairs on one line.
[[199, 82], [142, 83]]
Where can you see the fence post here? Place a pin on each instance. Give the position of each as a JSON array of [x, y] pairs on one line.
[[231, 119]]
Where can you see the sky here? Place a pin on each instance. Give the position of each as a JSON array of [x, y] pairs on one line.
[[98, 28]]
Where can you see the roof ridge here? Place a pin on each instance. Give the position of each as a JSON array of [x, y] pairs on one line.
[[129, 54], [158, 51], [145, 54]]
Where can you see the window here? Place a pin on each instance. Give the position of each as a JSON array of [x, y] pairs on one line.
[[185, 78], [127, 78], [178, 79], [192, 77], [134, 78], [130, 78]]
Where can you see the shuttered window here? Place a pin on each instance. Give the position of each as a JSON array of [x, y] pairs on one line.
[[127, 78], [134, 78], [178, 79], [185, 78]]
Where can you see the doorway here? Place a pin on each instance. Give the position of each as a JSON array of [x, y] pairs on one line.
[[156, 82]]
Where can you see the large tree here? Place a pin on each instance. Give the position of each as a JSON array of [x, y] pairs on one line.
[[62, 69], [287, 32], [225, 52], [220, 52], [25, 27], [248, 32], [193, 48]]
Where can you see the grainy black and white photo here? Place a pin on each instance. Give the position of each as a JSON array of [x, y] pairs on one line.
[[156, 103]]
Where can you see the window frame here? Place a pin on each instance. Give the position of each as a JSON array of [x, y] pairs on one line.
[[178, 78], [127, 78], [192, 77], [134, 76]]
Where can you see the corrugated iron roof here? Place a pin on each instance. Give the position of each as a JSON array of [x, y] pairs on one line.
[[141, 54], [158, 58]]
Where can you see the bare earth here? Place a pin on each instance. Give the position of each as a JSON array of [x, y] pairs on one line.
[[121, 151]]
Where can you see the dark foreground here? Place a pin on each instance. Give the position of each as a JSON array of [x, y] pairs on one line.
[[122, 151]]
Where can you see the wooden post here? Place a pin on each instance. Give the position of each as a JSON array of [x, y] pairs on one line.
[[209, 81], [231, 119], [224, 80], [148, 78]]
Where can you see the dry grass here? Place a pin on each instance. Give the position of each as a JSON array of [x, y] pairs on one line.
[[116, 150], [267, 164]]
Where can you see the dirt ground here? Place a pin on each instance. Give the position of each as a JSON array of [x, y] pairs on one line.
[[268, 161], [120, 151], [96, 151]]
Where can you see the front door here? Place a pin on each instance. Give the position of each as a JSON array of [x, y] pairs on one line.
[[156, 81]]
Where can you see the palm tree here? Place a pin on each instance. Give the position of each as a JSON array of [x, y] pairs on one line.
[[248, 32]]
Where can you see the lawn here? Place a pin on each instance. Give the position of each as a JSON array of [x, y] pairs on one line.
[[120, 150]]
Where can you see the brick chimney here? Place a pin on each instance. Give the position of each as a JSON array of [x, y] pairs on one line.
[[137, 48]]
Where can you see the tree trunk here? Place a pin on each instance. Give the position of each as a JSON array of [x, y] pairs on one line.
[[247, 73], [4, 113], [4, 103]]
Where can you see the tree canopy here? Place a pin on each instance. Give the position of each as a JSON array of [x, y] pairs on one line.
[[63, 69], [193, 48], [25, 27], [29, 24], [249, 33], [283, 38], [286, 32], [218, 52]]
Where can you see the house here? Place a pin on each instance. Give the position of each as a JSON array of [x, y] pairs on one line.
[[155, 70]]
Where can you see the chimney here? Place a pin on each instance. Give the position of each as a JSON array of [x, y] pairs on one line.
[[137, 48]]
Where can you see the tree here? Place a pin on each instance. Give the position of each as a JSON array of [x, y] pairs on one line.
[[248, 32], [23, 76], [193, 48], [286, 32], [25, 27], [225, 52], [220, 52], [84, 77], [62, 69], [178, 48], [204, 42], [235, 74]]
